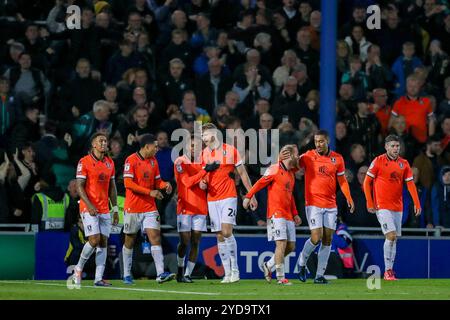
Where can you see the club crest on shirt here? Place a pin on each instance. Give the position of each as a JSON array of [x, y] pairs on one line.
[[401, 165], [333, 159], [108, 165], [152, 163]]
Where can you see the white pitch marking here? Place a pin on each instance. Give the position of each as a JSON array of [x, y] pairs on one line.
[[115, 288]]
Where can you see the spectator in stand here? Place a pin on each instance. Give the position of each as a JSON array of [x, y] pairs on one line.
[[90, 123], [250, 88], [10, 112], [405, 66], [439, 62], [441, 199], [232, 102], [204, 34], [79, 94], [408, 145], [358, 43], [177, 48], [381, 109], [417, 111], [343, 55], [175, 84], [136, 125], [308, 55], [288, 62], [121, 61], [429, 162], [189, 106], [305, 85], [346, 104], [342, 139], [26, 130], [212, 87], [29, 85], [357, 77], [289, 106], [365, 129], [379, 75], [358, 158], [262, 106]]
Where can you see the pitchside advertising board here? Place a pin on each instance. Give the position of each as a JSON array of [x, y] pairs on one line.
[[416, 257]]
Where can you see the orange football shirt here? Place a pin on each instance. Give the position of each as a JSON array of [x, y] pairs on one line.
[[220, 184], [145, 173], [280, 185], [321, 173], [389, 176], [416, 113], [191, 199], [98, 174]]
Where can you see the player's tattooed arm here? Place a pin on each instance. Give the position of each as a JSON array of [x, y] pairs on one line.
[[82, 192]]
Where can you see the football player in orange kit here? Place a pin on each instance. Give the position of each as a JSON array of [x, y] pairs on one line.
[[222, 196], [383, 187], [192, 207], [96, 186], [324, 169], [142, 182], [282, 213]]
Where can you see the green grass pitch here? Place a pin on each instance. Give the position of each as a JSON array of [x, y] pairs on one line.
[[355, 289]]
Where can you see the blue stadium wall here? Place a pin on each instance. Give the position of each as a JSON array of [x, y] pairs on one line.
[[416, 257]]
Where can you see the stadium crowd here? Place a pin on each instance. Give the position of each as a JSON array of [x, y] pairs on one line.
[[153, 66]]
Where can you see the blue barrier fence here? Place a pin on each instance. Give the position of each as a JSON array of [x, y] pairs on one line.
[[416, 257]]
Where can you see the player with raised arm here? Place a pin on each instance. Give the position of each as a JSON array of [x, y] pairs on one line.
[[143, 184], [324, 169], [282, 213], [222, 196], [383, 188], [96, 186], [192, 206]]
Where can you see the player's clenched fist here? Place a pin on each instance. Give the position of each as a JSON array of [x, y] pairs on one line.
[[297, 220], [156, 194]]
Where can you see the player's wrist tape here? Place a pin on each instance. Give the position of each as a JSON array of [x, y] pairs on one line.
[[116, 209]]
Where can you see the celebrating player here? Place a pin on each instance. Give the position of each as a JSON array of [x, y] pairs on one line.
[[322, 168], [96, 185], [222, 197], [192, 207], [282, 213], [143, 182], [384, 180]]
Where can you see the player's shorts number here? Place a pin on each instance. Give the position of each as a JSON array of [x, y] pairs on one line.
[[231, 212]]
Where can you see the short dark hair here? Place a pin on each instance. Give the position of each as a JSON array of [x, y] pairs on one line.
[[322, 133], [96, 135], [391, 138], [147, 138]]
